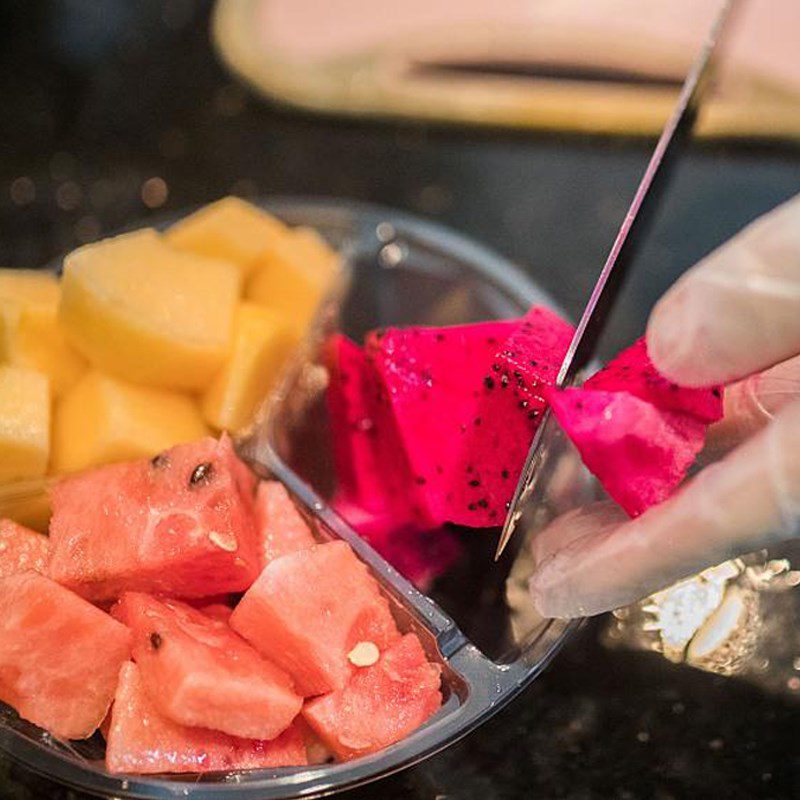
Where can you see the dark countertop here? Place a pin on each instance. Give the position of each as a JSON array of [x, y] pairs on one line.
[[99, 99]]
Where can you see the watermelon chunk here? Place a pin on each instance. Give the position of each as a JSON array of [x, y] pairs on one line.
[[372, 469], [218, 611], [181, 524], [141, 740], [281, 527], [21, 549], [59, 655], [381, 704], [309, 609], [639, 453], [432, 378], [497, 436], [632, 371], [199, 673]]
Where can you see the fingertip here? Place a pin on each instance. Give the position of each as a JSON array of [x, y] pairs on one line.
[[672, 333]]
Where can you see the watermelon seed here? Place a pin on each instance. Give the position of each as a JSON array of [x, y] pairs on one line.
[[226, 543], [202, 474], [364, 654], [159, 461], [155, 640]]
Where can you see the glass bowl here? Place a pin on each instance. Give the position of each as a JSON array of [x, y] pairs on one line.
[[400, 270]]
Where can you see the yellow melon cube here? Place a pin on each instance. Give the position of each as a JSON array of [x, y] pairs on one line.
[[23, 289], [104, 419], [141, 310], [293, 275], [24, 423], [231, 228], [34, 339], [261, 341], [28, 286]]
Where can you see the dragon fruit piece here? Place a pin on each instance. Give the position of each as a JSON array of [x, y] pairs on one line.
[[420, 555], [433, 378], [632, 371], [509, 409], [639, 452], [371, 468]]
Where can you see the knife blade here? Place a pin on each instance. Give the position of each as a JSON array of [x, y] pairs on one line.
[[674, 135]]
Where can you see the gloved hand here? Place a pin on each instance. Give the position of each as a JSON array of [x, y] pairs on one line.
[[735, 313]]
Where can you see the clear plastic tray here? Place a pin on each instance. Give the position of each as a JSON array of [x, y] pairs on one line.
[[401, 270]]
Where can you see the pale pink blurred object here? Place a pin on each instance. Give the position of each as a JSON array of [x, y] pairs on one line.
[[365, 57]]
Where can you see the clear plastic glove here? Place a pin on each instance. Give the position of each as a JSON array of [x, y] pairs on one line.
[[735, 314]]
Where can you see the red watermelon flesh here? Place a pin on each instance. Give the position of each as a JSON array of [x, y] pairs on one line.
[[417, 554], [180, 524], [218, 611], [492, 449], [59, 655], [21, 549], [633, 372], [199, 673], [372, 469], [307, 611], [433, 378], [381, 704], [281, 527], [141, 740], [639, 453]]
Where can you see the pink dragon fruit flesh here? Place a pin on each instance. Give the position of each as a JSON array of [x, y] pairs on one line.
[[433, 378], [632, 371], [495, 438], [639, 452], [419, 555], [371, 468]]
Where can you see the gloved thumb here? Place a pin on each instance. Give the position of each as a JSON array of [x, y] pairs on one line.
[[737, 311]]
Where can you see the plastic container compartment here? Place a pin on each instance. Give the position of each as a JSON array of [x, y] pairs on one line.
[[402, 271]]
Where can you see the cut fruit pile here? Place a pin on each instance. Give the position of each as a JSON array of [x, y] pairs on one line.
[[128, 606], [432, 425], [152, 339]]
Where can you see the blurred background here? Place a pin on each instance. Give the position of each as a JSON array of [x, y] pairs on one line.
[[523, 124]]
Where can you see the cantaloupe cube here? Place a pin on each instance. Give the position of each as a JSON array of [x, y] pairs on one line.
[[29, 286], [293, 275], [261, 341], [231, 228], [141, 310], [24, 423], [103, 419], [35, 339]]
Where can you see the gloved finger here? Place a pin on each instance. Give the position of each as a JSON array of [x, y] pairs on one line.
[[595, 519], [751, 403], [742, 503], [737, 311]]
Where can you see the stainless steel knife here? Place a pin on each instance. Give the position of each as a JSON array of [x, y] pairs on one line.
[[582, 348]]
